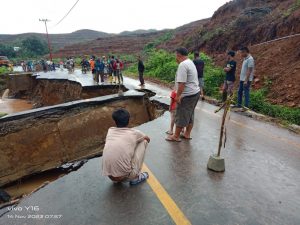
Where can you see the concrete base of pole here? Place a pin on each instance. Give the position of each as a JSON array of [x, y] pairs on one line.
[[216, 163]]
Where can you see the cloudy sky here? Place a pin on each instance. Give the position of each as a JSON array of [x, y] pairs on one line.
[[20, 16]]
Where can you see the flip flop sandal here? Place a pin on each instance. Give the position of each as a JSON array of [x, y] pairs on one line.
[[183, 137], [172, 140], [168, 132], [142, 177]]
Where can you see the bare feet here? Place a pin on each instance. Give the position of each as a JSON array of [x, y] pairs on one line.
[[171, 138]]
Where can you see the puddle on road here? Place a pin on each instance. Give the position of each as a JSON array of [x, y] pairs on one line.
[[28, 185]]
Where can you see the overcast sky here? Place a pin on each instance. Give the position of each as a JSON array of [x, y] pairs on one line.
[[20, 16]]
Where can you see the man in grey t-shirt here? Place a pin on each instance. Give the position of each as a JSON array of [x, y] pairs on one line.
[[246, 77], [188, 92]]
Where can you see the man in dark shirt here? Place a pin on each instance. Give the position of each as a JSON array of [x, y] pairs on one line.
[[141, 69], [230, 69], [199, 63]]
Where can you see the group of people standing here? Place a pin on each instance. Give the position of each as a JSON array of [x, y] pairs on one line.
[[125, 148], [246, 77], [103, 67], [32, 65]]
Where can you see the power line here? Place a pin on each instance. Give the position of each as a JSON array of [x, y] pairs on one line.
[[67, 13]]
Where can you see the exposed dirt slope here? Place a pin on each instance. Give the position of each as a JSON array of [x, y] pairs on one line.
[[277, 67], [132, 43], [279, 62], [248, 22], [126, 44]]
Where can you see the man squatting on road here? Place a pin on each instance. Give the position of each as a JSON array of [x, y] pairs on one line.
[[124, 151]]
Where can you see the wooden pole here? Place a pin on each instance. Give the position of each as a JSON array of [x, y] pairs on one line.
[[226, 107]]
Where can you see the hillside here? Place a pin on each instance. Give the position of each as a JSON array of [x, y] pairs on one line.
[[248, 23], [235, 24], [117, 44], [57, 40], [132, 42]]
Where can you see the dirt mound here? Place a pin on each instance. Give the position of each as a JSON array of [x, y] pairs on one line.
[[277, 67], [247, 22], [279, 63]]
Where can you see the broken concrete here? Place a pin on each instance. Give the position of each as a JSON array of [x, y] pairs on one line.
[[52, 136]]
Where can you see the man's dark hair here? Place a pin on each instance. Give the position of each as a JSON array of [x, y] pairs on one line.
[[231, 53], [182, 51], [196, 54], [113, 57], [121, 117], [245, 49]]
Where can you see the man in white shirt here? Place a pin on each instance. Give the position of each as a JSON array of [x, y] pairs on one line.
[[246, 77], [188, 93]]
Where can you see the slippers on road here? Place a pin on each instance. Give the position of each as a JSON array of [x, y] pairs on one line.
[[142, 177], [184, 137], [171, 139]]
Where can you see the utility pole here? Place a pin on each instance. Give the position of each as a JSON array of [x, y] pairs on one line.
[[49, 44]]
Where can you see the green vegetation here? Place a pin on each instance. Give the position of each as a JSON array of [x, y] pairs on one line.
[[7, 50], [2, 114], [4, 69], [292, 9], [212, 34], [162, 65], [259, 104], [163, 38], [30, 47]]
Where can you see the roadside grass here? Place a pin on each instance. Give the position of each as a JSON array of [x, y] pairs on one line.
[[161, 65], [3, 70], [2, 114], [259, 104]]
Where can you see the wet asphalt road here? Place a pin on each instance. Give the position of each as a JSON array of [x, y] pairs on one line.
[[261, 184]]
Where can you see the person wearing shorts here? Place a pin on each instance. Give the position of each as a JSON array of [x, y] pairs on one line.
[[188, 93]]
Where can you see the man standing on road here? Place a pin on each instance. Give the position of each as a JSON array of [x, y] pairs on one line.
[[113, 71], [141, 69], [229, 69], [199, 63], [188, 93], [246, 77]]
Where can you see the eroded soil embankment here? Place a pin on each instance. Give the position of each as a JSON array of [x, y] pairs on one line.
[[47, 138], [48, 92]]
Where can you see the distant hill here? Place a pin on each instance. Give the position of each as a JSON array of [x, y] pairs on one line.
[[57, 40], [140, 31], [133, 42]]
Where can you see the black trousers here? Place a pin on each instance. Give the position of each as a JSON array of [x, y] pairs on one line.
[[141, 77]]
